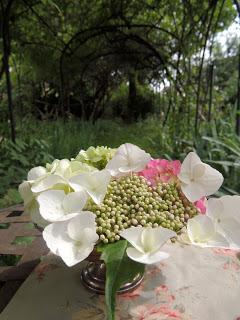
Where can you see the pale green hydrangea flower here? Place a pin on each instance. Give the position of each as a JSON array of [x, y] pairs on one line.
[[96, 156]]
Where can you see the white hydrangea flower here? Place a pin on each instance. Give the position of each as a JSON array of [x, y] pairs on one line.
[[198, 179], [95, 184], [49, 182], [128, 158], [202, 232], [73, 240], [147, 243], [30, 203], [220, 227], [76, 168], [55, 205], [55, 176], [225, 213], [36, 173], [59, 173]]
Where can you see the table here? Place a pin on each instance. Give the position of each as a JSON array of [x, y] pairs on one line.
[[19, 258], [193, 284]]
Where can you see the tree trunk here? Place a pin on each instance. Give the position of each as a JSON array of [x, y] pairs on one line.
[[132, 94], [238, 96], [199, 80], [6, 54], [210, 92]]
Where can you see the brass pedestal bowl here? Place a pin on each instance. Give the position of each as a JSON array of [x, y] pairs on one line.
[[93, 276]]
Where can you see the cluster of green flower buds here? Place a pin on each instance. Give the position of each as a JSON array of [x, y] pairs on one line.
[[131, 201]]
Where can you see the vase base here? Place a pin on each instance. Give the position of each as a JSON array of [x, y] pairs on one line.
[[93, 278]]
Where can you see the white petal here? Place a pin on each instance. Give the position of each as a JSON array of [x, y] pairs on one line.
[[85, 219], [157, 256], [33, 210], [99, 189], [73, 254], [51, 167], [136, 255], [68, 216], [61, 167], [76, 167], [186, 172], [154, 238], [81, 167], [133, 153], [198, 171], [219, 241], [55, 235], [71, 251], [47, 183], [225, 213], [50, 204], [95, 183], [133, 235], [230, 229], [193, 191], [36, 173], [231, 206], [89, 235], [215, 208], [83, 181], [26, 192], [75, 201], [198, 179], [211, 180], [30, 204], [128, 158], [202, 232], [200, 228], [75, 182], [115, 163]]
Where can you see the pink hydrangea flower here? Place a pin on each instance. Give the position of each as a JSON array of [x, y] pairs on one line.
[[201, 205], [161, 170]]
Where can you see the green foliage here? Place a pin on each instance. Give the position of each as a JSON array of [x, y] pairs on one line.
[[63, 139], [118, 101], [16, 160], [4, 225], [9, 260], [144, 102], [218, 146], [73, 56], [119, 270], [23, 240], [10, 197]]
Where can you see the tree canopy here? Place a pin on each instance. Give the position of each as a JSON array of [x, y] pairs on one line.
[[71, 56]]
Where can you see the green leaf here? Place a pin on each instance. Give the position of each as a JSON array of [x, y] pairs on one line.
[[100, 247], [119, 270], [235, 150], [230, 191]]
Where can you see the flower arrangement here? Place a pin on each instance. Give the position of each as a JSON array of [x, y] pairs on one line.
[[126, 205]]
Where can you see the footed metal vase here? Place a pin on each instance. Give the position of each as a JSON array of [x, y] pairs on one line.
[[93, 276]]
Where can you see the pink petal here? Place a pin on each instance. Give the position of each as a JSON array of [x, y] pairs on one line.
[[200, 204], [161, 170], [165, 177], [176, 167]]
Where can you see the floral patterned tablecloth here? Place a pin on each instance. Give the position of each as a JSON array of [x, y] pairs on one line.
[[193, 284]]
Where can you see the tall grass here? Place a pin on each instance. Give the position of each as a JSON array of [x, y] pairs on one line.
[[42, 140], [66, 138]]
